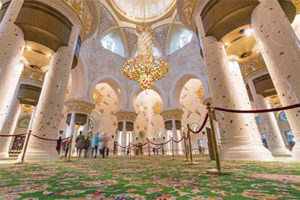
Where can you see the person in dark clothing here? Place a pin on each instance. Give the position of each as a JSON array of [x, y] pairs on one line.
[[87, 144], [58, 145], [79, 143], [107, 152]]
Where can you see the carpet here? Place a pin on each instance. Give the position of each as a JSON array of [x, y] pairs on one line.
[[157, 178]]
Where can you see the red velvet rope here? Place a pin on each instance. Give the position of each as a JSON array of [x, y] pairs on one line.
[[47, 139], [186, 138], [202, 126], [179, 140], [160, 143], [258, 111], [123, 146], [12, 135]]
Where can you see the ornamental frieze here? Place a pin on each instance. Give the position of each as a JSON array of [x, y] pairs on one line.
[[82, 106], [172, 114], [126, 115]]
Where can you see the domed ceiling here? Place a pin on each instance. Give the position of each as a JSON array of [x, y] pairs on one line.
[[134, 9]]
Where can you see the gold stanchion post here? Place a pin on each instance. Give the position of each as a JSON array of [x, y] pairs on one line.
[[26, 145], [185, 148], [149, 150], [215, 147], [70, 149], [129, 146], [190, 145], [60, 149], [172, 145]]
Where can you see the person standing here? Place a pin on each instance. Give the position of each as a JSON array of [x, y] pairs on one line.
[[67, 146], [96, 144], [79, 143], [58, 144], [104, 145], [87, 144]]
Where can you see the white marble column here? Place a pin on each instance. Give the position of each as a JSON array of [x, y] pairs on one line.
[[281, 51], [123, 139], [50, 106], [118, 139], [268, 121], [70, 127], [168, 145], [70, 131], [9, 128], [239, 134], [11, 49]]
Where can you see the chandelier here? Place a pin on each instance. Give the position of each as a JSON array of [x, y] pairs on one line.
[[145, 68]]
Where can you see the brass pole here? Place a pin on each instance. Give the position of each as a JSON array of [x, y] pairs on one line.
[[59, 153], [190, 144], [26, 145], [173, 155], [66, 144], [70, 149], [213, 136], [185, 148], [129, 149], [149, 150]]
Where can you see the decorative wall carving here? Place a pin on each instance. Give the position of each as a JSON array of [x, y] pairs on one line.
[[85, 13]]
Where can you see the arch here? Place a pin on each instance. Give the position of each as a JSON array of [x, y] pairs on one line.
[[179, 84], [156, 88], [96, 120], [79, 80], [115, 85]]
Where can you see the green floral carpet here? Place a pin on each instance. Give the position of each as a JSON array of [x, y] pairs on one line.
[[141, 178]]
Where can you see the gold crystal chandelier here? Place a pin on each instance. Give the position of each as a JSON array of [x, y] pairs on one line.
[[145, 68]]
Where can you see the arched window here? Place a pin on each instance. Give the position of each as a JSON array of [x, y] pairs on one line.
[[180, 38], [184, 38], [113, 42]]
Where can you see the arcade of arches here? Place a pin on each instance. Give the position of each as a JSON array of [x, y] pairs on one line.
[[61, 76]]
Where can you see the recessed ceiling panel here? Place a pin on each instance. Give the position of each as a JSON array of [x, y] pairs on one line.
[[135, 9]]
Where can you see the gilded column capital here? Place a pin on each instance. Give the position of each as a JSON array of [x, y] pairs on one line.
[[126, 115], [172, 114], [79, 106]]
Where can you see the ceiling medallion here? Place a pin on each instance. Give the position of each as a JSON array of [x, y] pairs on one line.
[[145, 68]]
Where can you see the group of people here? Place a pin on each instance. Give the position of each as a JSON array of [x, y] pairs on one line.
[[87, 144]]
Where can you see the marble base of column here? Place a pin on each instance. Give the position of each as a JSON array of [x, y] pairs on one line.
[[9, 128], [47, 153]]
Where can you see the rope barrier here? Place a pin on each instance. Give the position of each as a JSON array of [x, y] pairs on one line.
[[179, 140], [186, 138], [202, 126], [161, 143], [47, 139], [126, 147], [12, 135], [258, 111]]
